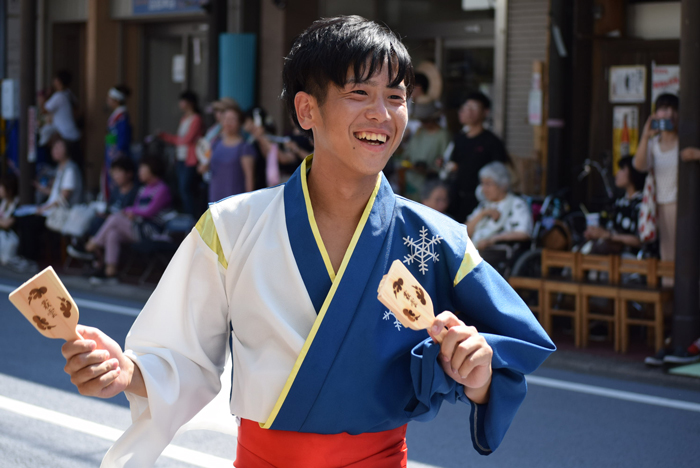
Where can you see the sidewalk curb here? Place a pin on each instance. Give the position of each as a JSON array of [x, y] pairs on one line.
[[619, 368]]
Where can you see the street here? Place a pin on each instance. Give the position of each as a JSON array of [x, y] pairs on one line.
[[567, 420]]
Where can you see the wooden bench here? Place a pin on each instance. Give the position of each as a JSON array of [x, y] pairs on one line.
[[651, 292]]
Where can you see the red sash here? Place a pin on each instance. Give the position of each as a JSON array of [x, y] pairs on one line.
[[267, 448]]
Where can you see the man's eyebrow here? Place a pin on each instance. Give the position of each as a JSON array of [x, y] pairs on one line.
[[353, 81]]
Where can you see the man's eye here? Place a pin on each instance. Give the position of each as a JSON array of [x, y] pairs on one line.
[[360, 92]]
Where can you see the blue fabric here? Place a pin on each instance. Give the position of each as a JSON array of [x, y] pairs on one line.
[[306, 253], [365, 373]]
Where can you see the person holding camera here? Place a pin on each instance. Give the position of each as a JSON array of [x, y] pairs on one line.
[[658, 152]]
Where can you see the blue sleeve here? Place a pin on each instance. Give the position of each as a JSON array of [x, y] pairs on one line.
[[483, 299]]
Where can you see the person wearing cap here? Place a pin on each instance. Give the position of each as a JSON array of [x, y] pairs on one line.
[[423, 152], [118, 137]]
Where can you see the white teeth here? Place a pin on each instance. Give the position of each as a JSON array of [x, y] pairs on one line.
[[371, 136]]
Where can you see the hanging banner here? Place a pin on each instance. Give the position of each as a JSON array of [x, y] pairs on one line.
[[625, 133], [664, 79], [145, 7], [628, 84]]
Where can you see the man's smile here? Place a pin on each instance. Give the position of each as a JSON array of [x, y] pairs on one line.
[[371, 138]]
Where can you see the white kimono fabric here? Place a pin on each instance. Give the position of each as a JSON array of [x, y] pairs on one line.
[[254, 272], [192, 311]]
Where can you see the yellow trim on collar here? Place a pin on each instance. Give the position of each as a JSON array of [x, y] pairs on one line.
[[207, 231], [469, 262], [329, 298], [305, 166]]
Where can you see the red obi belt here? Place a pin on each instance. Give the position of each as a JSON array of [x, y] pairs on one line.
[[268, 448]]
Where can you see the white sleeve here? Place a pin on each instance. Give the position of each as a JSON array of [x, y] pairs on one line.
[[476, 211], [54, 102], [69, 179], [179, 342]]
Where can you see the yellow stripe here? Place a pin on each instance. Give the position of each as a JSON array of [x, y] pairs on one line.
[[469, 262], [207, 231], [312, 221], [326, 303]]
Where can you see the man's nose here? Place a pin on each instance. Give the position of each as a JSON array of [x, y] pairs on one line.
[[378, 110]]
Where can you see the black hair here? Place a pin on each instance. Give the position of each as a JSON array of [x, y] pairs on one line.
[[65, 77], [330, 47], [666, 100], [155, 164], [11, 184], [191, 97], [479, 97], [430, 186], [125, 90], [125, 163], [422, 81], [636, 178]]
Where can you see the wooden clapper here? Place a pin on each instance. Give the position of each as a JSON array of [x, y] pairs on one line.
[[46, 303], [406, 298]]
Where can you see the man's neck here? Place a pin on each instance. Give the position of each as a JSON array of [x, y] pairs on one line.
[[336, 196], [631, 190], [475, 130]]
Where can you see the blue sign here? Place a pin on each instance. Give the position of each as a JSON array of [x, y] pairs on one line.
[[145, 7]]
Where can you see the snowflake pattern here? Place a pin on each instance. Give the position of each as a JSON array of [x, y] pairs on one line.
[[422, 250], [388, 316]]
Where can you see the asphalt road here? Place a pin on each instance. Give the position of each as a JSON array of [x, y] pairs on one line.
[[568, 419]]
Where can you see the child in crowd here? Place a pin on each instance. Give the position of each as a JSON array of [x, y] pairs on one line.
[[621, 234]]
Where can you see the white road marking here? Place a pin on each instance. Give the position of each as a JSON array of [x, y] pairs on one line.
[[610, 393], [111, 434], [101, 306], [415, 464]]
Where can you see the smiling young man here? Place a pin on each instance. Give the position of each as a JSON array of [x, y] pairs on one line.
[[324, 376]]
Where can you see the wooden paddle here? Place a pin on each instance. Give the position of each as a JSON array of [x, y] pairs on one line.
[[405, 297], [46, 303]]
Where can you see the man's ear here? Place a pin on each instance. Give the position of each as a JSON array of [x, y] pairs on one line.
[[305, 106]]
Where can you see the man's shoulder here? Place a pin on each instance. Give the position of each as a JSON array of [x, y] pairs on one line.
[[412, 212], [245, 207]]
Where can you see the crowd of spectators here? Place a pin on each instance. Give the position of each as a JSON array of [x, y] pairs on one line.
[[468, 177]]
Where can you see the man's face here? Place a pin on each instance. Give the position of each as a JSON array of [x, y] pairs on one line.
[[471, 113], [362, 124]]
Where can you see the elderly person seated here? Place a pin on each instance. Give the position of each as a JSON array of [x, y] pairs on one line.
[[500, 215]]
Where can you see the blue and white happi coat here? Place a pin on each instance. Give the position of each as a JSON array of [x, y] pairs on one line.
[[314, 350]]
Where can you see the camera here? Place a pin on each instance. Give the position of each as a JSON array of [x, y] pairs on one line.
[[662, 124]]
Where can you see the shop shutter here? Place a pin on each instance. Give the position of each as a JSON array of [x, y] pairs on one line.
[[527, 41]]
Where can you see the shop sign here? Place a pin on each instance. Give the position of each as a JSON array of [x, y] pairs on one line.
[[179, 68], [628, 84], [145, 7], [625, 132], [664, 79]]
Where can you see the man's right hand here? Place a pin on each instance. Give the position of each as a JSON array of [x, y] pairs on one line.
[[98, 367]]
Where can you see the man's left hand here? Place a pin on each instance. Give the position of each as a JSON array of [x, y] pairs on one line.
[[464, 355]]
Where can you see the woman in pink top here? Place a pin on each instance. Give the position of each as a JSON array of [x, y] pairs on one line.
[[188, 133], [141, 221]]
